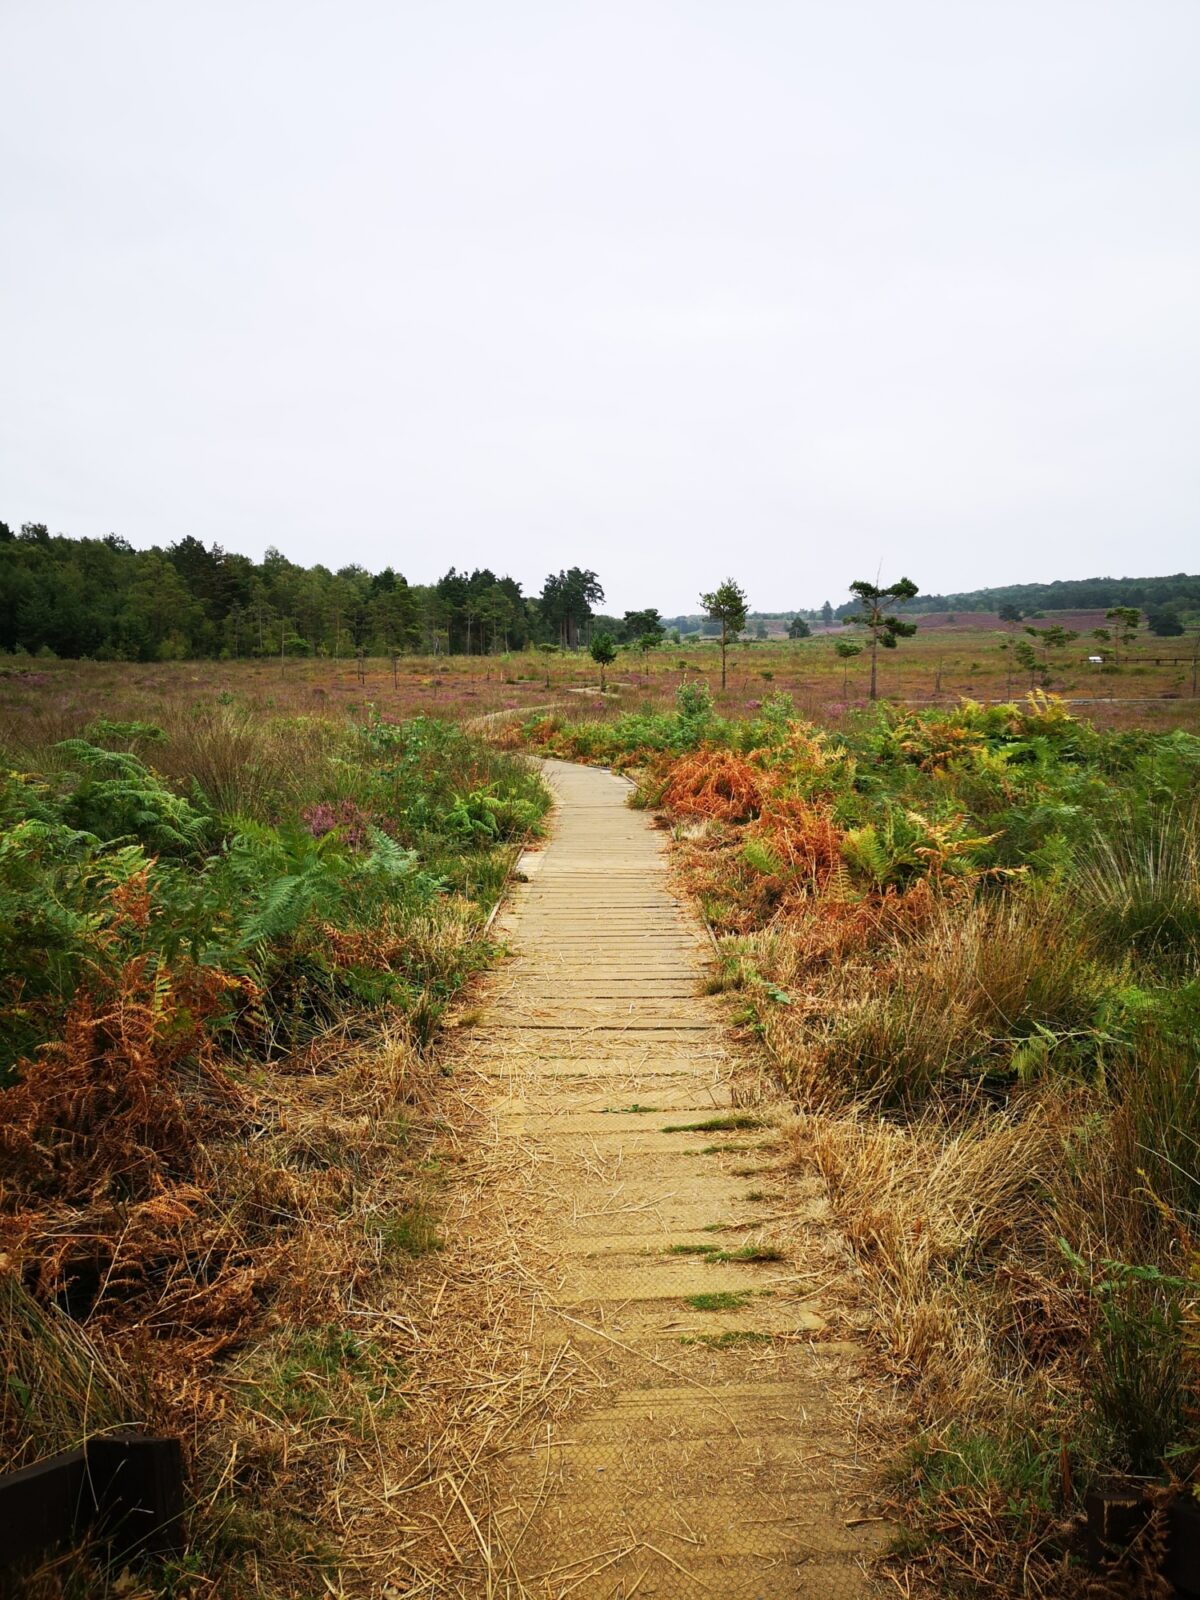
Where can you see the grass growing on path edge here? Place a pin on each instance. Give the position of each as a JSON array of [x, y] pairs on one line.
[[970, 941]]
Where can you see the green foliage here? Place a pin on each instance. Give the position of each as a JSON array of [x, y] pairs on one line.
[[103, 731], [643, 628], [761, 857], [721, 1300], [749, 1254], [567, 600], [1165, 622], [284, 875], [885, 628], [1157, 1081], [1072, 594], [116, 797], [409, 1233], [320, 1372], [902, 846], [1010, 1466], [731, 1339], [726, 605], [1142, 1388], [694, 703], [603, 651], [102, 598], [735, 1122], [102, 860]]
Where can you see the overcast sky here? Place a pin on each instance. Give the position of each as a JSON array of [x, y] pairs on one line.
[[672, 291]]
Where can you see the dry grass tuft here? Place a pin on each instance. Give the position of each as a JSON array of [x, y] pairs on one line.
[[944, 1216]]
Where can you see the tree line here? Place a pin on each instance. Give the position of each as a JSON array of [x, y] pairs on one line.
[[102, 598]]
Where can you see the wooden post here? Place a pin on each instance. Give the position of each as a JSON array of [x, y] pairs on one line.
[[128, 1488]]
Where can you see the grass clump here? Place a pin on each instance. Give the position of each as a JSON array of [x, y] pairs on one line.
[[325, 1373], [721, 1300], [731, 1124], [751, 1253], [731, 1339], [408, 1233]]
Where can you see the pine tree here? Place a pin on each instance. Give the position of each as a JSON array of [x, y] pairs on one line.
[[727, 605], [884, 629]]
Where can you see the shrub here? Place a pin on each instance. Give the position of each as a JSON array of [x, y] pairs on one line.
[[694, 702], [1143, 1391]]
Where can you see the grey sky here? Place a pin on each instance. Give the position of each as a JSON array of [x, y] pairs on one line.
[[668, 290]]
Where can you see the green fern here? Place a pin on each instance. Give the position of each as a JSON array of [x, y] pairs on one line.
[[103, 731], [116, 796], [288, 874], [389, 860], [762, 858], [865, 853], [288, 902]]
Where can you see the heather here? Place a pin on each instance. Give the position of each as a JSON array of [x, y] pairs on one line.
[[968, 938], [229, 942]]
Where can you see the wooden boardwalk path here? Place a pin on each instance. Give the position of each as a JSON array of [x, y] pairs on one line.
[[715, 1451]]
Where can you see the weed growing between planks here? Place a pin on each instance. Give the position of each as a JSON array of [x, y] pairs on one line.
[[225, 962], [970, 939]]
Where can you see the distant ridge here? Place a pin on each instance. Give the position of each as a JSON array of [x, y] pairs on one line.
[[1179, 592], [1065, 594]]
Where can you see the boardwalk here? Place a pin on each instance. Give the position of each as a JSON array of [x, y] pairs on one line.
[[714, 1454]]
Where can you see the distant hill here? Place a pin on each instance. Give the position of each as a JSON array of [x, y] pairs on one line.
[[1078, 603], [1069, 594], [1081, 621]]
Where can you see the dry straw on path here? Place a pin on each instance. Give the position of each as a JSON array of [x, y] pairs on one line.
[[634, 1367]]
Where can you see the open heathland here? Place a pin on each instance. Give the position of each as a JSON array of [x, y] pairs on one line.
[[241, 905], [1154, 686]]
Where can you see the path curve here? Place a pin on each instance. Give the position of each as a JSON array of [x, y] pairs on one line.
[[715, 1453]]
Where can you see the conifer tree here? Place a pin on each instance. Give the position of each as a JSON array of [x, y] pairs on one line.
[[885, 629]]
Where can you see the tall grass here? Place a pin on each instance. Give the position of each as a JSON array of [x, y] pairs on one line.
[[1156, 1127], [1141, 884], [979, 993]]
